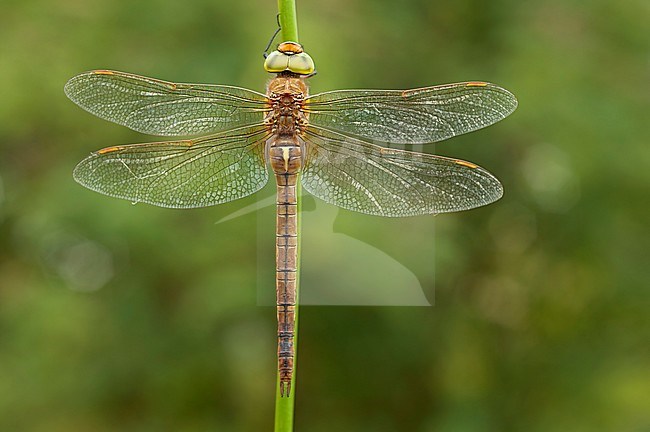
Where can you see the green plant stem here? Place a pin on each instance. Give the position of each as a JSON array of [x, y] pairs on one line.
[[288, 20], [284, 406]]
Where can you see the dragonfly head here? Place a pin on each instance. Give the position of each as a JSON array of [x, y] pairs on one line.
[[289, 57]]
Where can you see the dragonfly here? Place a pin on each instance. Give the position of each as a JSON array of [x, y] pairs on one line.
[[339, 145]]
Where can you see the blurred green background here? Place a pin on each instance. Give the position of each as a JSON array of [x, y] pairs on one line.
[[135, 318]]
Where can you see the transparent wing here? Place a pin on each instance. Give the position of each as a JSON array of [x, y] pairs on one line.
[[411, 116], [163, 108], [180, 174], [370, 179]]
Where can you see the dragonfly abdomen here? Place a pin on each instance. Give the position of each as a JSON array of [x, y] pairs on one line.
[[286, 160]]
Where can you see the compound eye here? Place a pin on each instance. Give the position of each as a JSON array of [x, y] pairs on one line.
[[276, 62], [301, 64]]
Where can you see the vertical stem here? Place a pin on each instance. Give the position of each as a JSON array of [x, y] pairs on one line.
[[288, 20], [284, 406]]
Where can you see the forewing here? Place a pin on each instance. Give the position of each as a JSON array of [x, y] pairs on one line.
[[411, 116], [163, 108], [370, 179], [180, 174]]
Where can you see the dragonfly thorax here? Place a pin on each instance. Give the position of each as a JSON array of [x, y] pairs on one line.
[[286, 96]]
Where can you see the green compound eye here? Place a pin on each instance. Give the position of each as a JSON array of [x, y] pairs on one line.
[[301, 64], [276, 62], [289, 57]]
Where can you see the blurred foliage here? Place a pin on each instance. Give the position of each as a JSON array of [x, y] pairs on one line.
[[135, 318]]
